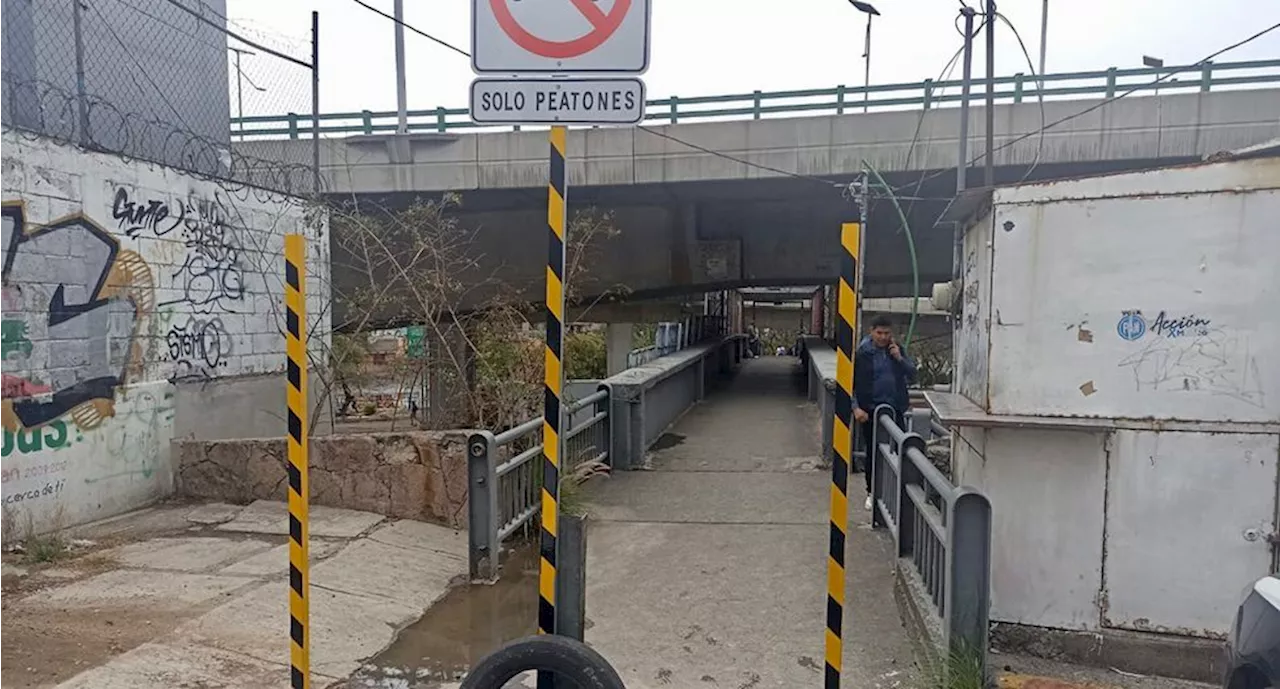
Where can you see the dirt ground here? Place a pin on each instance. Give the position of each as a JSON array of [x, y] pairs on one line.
[[45, 645]]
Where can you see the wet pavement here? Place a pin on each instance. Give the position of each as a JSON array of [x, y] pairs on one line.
[[463, 627]]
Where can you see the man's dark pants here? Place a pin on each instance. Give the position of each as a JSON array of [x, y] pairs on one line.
[[864, 432]]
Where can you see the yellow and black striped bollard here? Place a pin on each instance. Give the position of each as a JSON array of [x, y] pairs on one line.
[[557, 215], [299, 520], [842, 440]]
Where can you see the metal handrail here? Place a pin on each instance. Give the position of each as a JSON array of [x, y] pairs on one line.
[[1015, 88], [942, 529]]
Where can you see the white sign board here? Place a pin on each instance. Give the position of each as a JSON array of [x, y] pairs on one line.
[[513, 37], [557, 101]]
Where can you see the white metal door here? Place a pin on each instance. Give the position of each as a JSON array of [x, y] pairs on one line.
[[1188, 520]]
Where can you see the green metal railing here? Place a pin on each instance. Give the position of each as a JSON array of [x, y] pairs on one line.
[[927, 94]]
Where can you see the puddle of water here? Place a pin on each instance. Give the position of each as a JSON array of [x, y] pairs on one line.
[[467, 624], [667, 440]]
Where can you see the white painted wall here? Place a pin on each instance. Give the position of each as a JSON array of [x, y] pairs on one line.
[[1185, 249], [1159, 521], [1047, 492], [121, 278]]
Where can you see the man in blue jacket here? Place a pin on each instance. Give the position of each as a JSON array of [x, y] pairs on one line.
[[881, 373]]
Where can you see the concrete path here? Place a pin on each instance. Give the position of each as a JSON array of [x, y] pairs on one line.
[[710, 570], [196, 596]]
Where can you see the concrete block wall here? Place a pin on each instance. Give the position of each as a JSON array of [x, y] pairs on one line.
[[123, 281]]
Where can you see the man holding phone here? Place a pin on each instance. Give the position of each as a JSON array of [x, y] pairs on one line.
[[881, 373]]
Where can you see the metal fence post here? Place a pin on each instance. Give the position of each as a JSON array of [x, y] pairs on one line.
[[875, 464], [1017, 87], [1206, 75], [675, 110], [571, 584], [840, 99], [482, 507], [968, 595], [908, 475], [828, 402], [755, 108]]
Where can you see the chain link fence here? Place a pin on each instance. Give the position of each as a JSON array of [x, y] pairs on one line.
[[153, 80]]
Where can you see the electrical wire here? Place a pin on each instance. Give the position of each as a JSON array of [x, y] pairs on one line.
[[911, 249], [271, 51], [412, 28], [129, 53], [758, 166], [1107, 101], [1039, 95]]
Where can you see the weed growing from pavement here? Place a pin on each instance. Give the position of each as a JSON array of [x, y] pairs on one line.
[[963, 669]]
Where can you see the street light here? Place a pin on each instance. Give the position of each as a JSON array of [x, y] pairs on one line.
[[1156, 64], [241, 77], [870, 10]]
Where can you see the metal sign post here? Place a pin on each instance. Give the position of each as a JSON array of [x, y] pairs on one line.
[[547, 46]]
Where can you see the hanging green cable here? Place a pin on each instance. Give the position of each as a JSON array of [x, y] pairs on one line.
[[911, 248]]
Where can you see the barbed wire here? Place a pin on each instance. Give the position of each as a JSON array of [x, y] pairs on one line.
[[36, 108]]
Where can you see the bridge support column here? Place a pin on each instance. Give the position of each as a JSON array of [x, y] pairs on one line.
[[618, 343], [450, 377]]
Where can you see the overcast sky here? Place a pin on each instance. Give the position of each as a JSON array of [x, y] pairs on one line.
[[703, 47]]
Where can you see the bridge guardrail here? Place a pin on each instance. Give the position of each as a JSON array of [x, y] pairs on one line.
[[942, 530], [629, 412], [1016, 88]]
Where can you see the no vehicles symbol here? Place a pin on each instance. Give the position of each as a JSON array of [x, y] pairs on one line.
[[603, 24], [565, 37]]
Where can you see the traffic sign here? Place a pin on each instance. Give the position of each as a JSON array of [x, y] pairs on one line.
[[559, 36], [557, 101]]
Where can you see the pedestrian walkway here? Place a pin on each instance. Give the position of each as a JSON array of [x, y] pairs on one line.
[[709, 569]]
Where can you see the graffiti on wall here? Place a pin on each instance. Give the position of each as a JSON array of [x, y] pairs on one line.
[[1188, 352], [199, 347], [211, 277], [74, 304]]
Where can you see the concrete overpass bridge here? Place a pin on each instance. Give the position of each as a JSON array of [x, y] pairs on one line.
[[756, 202]]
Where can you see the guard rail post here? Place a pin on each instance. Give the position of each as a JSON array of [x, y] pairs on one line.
[[571, 584], [968, 595], [908, 474], [827, 403], [484, 545], [874, 461]]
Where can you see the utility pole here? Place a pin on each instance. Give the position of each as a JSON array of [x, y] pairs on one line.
[[990, 177], [402, 111], [82, 107], [962, 167], [966, 87], [1044, 36]]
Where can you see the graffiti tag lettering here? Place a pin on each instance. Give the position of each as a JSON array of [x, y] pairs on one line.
[[199, 345], [134, 218], [211, 276]]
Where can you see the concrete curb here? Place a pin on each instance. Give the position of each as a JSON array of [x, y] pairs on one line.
[[1138, 652]]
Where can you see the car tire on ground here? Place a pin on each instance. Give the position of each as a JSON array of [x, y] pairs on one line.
[[574, 664]]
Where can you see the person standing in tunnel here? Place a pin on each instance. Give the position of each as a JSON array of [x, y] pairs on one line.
[[881, 373]]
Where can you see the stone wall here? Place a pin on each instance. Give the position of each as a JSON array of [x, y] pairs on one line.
[[417, 475], [122, 281]]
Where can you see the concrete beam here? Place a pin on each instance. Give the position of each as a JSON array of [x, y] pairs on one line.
[[1165, 126]]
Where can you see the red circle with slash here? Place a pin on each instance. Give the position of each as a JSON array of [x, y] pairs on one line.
[[603, 26]]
